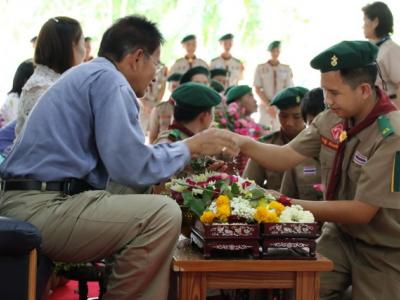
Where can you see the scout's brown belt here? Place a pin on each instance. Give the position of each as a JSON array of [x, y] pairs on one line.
[[68, 186]]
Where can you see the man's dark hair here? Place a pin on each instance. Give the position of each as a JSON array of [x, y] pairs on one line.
[[129, 34], [88, 39], [186, 114], [24, 71], [381, 11], [312, 103], [54, 45], [357, 76]]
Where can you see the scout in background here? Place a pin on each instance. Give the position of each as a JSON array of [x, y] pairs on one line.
[[358, 143], [300, 181], [189, 60], [220, 75], [378, 27], [288, 103], [196, 74], [153, 96], [226, 61], [270, 78], [162, 115]]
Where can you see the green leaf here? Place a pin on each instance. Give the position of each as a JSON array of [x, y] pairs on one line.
[[235, 189], [196, 205], [207, 197], [257, 193]]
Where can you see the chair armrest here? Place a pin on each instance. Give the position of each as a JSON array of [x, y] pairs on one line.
[[18, 237]]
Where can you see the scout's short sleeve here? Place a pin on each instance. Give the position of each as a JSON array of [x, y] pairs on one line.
[[257, 77], [393, 64], [378, 183]]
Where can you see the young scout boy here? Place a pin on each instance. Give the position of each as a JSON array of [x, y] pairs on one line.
[[288, 103], [197, 74], [358, 143], [190, 60], [226, 61], [270, 78]]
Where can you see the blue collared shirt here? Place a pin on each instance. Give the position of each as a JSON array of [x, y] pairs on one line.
[[87, 126]]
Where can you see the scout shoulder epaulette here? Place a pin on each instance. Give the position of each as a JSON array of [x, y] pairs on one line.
[[175, 134], [267, 136], [385, 127]]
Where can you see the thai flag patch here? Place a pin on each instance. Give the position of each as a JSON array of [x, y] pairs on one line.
[[309, 171], [360, 159]]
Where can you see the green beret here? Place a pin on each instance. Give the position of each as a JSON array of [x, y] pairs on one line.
[[195, 95], [236, 92], [228, 89], [188, 38], [289, 97], [186, 77], [227, 36], [174, 77], [218, 72], [217, 86], [345, 55], [273, 45]]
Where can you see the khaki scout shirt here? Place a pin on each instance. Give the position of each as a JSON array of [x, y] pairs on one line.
[[162, 116], [183, 64], [367, 172], [152, 94], [389, 62], [170, 136], [254, 171], [299, 182], [233, 65], [273, 79]]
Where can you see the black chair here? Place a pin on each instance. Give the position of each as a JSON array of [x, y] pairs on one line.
[[23, 273]]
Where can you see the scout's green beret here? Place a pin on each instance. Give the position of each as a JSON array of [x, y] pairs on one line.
[[273, 45], [345, 55], [174, 77], [218, 72], [228, 89], [188, 38], [186, 77], [236, 92], [289, 97], [227, 36], [195, 95], [217, 86]]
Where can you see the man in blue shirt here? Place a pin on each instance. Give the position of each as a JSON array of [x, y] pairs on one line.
[[85, 131]]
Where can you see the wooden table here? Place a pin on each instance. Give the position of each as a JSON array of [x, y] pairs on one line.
[[194, 274]]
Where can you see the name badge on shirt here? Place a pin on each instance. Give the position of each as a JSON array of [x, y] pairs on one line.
[[360, 159], [308, 171]]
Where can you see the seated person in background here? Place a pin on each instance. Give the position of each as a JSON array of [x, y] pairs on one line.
[[220, 76], [288, 103], [162, 115], [217, 86], [197, 74], [9, 110], [88, 49], [300, 181], [242, 95], [59, 47]]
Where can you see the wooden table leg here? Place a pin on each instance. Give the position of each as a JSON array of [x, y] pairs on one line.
[[192, 286], [307, 286]]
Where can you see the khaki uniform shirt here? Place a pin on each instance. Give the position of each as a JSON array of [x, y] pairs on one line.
[[170, 136], [389, 62], [182, 65], [161, 117], [299, 182], [152, 95], [265, 178], [272, 79], [368, 172], [233, 65]]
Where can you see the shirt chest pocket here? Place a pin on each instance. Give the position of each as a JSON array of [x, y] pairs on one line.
[[326, 157], [358, 160]]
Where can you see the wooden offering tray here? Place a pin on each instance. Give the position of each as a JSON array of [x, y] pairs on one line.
[[294, 240], [226, 237]]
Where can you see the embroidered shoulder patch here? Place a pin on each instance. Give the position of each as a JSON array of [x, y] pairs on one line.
[[175, 134], [337, 130], [395, 186], [266, 137], [385, 127], [359, 159]]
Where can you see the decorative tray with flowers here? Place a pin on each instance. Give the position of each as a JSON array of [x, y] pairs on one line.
[[230, 213]]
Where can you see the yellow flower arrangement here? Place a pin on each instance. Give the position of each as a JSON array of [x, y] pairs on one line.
[[277, 206], [223, 212], [222, 200], [207, 217], [263, 214]]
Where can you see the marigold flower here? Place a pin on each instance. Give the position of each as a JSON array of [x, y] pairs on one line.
[[223, 212], [264, 215], [207, 217], [222, 200], [278, 207]]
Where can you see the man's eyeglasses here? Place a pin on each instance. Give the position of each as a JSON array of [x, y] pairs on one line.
[[158, 66]]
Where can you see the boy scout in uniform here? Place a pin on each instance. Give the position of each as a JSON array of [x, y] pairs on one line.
[[299, 182], [220, 75], [161, 115], [358, 143], [189, 60], [226, 61], [270, 78], [288, 103], [197, 74]]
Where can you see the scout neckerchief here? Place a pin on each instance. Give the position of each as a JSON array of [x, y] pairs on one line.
[[382, 107], [382, 40], [274, 64], [284, 137], [181, 127], [190, 60]]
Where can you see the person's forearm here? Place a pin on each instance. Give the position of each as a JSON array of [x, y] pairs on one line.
[[262, 96], [271, 157], [339, 211]]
